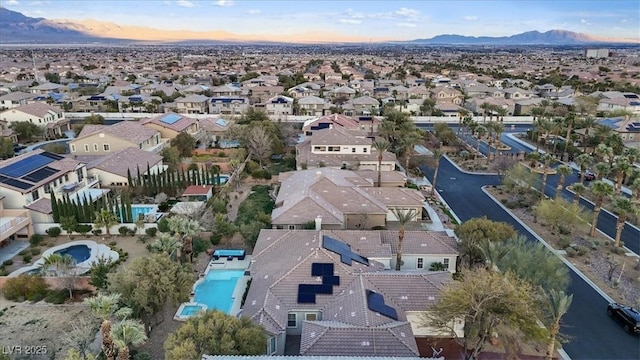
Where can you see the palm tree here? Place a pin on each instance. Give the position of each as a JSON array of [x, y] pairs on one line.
[[556, 304], [105, 218], [381, 146], [569, 122], [493, 253], [547, 126], [105, 307], [604, 153], [485, 107], [602, 169], [481, 131], [600, 190], [501, 113], [166, 243], [623, 206], [126, 333], [403, 216], [583, 160], [563, 170], [463, 119], [184, 229], [578, 189], [546, 160], [622, 168], [635, 188], [408, 142], [437, 155]]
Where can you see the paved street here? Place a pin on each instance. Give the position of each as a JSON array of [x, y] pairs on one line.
[[593, 334]]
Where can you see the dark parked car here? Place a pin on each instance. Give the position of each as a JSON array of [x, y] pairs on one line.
[[589, 176], [627, 316]]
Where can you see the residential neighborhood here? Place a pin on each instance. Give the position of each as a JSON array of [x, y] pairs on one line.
[[319, 201]]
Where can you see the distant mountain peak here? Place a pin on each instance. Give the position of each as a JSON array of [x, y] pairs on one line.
[[533, 37]]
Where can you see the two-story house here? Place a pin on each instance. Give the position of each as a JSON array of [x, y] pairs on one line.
[[228, 105], [363, 105], [171, 124], [27, 181], [313, 105], [226, 90], [108, 139], [368, 124], [317, 289], [446, 95], [279, 105], [340, 148], [193, 104], [51, 118], [15, 99], [114, 169]]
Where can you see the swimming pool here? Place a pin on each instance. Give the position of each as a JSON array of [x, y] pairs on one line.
[[215, 291], [79, 253], [222, 179], [190, 310], [137, 210]]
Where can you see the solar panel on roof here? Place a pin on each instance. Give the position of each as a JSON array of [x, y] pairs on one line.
[[375, 302], [40, 174], [17, 184], [25, 166], [170, 119], [344, 250], [51, 155]]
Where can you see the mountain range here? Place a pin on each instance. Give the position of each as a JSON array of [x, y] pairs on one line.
[[16, 28]]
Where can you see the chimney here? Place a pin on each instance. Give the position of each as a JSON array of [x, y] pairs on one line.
[[318, 223]]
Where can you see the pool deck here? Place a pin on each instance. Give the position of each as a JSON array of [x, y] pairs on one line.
[[238, 291]]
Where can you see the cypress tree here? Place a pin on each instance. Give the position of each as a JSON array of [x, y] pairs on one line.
[[54, 208], [129, 179], [139, 178]]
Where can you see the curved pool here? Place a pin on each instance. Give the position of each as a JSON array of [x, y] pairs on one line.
[[79, 253], [84, 252]]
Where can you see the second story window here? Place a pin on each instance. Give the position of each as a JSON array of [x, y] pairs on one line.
[[35, 196], [95, 147], [86, 147], [106, 147]]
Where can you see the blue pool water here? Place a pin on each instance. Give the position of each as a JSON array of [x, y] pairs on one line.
[[216, 290], [190, 310], [79, 253], [140, 210], [223, 179]]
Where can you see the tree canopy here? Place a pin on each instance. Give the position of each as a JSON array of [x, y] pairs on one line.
[[477, 230], [150, 282], [215, 333], [27, 131], [491, 304], [185, 143]]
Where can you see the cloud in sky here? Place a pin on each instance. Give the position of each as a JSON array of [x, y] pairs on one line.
[[185, 3], [254, 11], [11, 3], [406, 24], [350, 21], [224, 3], [470, 18], [410, 13]]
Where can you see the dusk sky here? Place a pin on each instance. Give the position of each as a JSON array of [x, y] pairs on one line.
[[388, 20]]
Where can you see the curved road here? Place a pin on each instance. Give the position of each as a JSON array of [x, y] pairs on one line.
[[593, 334]]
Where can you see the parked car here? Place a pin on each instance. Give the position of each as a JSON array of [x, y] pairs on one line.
[[588, 176], [627, 316]]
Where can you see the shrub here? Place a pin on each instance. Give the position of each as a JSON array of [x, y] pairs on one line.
[[131, 232], [564, 230], [571, 252], [99, 271], [123, 230], [199, 246], [57, 296], [35, 239], [163, 206], [96, 232], [163, 225], [83, 228], [215, 239], [618, 250], [7, 263], [113, 243], [261, 174], [21, 288], [377, 227], [563, 242], [35, 251], [54, 231], [581, 250], [23, 252], [27, 258], [151, 231]]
